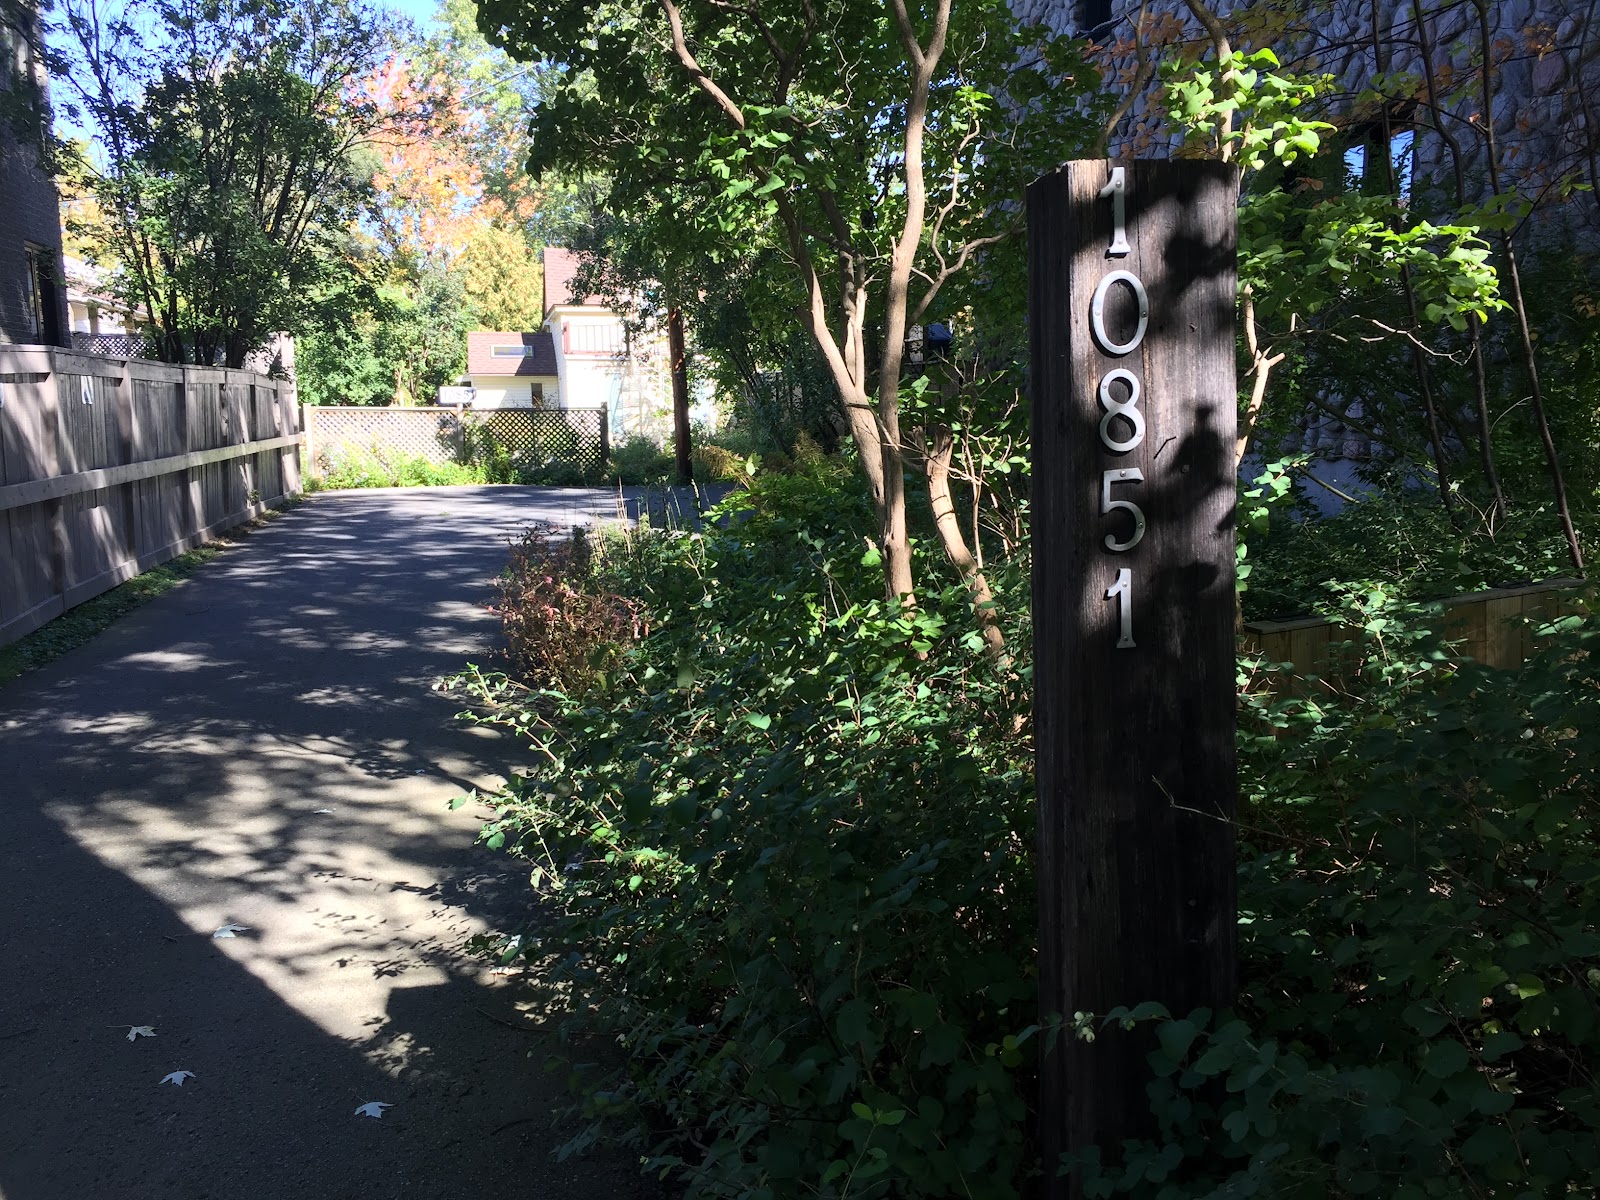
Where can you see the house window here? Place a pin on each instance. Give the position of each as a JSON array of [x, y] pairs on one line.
[[1365, 170], [511, 352], [43, 297], [1092, 14]]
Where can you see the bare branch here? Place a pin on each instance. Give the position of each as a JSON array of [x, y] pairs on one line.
[[1141, 77]]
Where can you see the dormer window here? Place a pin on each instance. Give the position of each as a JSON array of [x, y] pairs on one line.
[[511, 352]]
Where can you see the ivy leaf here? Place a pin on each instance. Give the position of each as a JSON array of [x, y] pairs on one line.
[[1497, 1045], [1444, 1059], [1176, 1037], [853, 1021]]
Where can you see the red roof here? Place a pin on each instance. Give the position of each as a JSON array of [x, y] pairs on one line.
[[491, 353], [560, 266]]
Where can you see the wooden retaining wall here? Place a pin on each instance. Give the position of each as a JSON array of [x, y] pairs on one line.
[[1493, 627], [110, 466]]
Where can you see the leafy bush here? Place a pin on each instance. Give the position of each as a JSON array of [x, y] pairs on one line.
[[788, 842], [382, 468], [640, 460], [1403, 540], [559, 632], [1420, 894], [714, 464]]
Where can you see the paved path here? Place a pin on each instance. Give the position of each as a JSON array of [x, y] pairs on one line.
[[164, 781]]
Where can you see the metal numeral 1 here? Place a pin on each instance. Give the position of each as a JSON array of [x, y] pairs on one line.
[[1122, 590], [1117, 189]]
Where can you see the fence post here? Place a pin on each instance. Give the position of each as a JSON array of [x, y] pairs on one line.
[[308, 422], [128, 439], [192, 434], [605, 436], [50, 398]]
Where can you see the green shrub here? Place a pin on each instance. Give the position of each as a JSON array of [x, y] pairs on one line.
[[1404, 541], [789, 845], [713, 464], [640, 460], [347, 468], [788, 850], [1420, 936]]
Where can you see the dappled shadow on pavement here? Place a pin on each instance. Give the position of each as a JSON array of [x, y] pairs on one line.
[[263, 747]]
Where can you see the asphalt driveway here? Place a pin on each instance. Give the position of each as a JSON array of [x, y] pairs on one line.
[[262, 748]]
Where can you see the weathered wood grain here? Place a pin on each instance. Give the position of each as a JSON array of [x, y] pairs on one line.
[[1135, 755], [110, 466]]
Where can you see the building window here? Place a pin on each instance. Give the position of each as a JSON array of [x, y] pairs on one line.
[[511, 352], [1365, 168], [44, 296], [1092, 14]]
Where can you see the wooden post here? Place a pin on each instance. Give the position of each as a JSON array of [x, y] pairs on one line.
[[130, 449], [309, 424], [1132, 294], [65, 461], [193, 434]]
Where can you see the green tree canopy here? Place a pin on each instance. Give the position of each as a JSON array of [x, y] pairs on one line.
[[224, 163], [874, 145]]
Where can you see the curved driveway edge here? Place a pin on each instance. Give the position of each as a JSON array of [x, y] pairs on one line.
[[169, 779]]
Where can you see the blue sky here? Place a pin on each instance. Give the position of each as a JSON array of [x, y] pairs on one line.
[[420, 11]]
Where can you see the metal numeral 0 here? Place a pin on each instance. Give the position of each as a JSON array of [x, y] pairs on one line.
[[1122, 592], [1117, 189], [1097, 313]]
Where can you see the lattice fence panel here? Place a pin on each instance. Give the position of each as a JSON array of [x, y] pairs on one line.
[[385, 433], [116, 345], [564, 434]]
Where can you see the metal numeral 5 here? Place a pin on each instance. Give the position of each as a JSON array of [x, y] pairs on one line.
[[1108, 506]]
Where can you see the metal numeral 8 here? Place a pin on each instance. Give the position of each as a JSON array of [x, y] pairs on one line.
[[1127, 409]]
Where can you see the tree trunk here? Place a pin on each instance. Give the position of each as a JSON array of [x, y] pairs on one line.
[[1519, 306], [680, 396], [936, 451]]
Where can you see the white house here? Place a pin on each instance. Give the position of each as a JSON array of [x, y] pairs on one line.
[[585, 357], [601, 363], [99, 320], [509, 370]]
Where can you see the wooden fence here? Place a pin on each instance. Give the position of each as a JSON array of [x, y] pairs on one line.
[[1493, 627], [576, 435], [110, 466]]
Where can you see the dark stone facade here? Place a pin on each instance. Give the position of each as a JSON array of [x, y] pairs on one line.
[[33, 294], [1547, 73]]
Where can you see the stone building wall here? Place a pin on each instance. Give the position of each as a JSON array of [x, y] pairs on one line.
[[1547, 81]]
